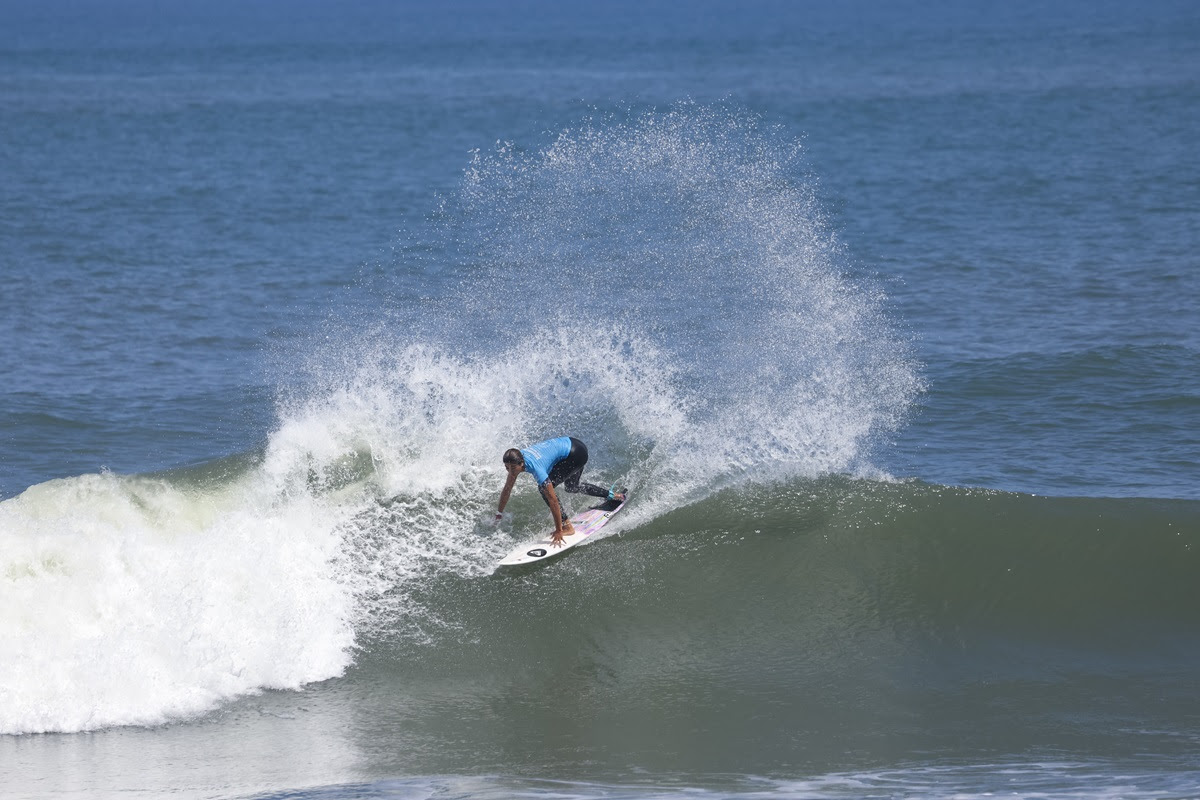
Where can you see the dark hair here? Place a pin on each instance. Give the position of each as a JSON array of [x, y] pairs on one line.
[[513, 456]]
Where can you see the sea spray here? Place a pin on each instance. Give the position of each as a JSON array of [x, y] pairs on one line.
[[699, 231]]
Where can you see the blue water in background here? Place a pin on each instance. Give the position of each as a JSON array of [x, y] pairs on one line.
[[199, 201], [187, 190]]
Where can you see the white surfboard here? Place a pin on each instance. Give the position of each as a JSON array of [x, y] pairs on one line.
[[585, 523]]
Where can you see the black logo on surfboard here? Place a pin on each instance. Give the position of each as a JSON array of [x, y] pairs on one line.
[[538, 553]]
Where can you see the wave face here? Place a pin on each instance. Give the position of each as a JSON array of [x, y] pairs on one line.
[[814, 623], [667, 290]]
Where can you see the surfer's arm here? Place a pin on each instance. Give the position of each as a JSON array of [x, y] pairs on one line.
[[560, 527], [504, 494]]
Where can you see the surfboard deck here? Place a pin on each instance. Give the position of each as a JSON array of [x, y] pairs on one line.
[[585, 522]]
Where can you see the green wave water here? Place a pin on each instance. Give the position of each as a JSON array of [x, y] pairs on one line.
[[785, 627]]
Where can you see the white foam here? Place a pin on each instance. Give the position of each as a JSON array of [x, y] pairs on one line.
[[129, 601]]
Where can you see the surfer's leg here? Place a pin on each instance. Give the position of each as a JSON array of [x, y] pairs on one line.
[[572, 483], [564, 513], [569, 472]]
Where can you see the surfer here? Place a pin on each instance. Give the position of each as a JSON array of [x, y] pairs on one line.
[[552, 462]]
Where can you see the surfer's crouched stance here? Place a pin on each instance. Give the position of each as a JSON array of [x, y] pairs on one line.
[[552, 462]]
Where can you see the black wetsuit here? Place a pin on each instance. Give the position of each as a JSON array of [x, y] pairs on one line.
[[569, 471]]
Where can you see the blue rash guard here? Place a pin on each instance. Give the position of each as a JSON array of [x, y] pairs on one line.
[[540, 458]]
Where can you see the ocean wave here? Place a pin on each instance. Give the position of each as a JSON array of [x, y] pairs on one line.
[[151, 598], [138, 600]]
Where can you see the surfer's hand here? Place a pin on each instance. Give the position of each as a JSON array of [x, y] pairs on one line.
[[556, 538]]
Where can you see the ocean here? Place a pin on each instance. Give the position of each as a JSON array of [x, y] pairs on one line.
[[886, 312]]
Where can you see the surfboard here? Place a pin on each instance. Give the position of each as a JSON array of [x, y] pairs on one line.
[[585, 523]]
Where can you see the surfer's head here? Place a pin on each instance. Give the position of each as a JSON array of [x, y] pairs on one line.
[[513, 458]]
